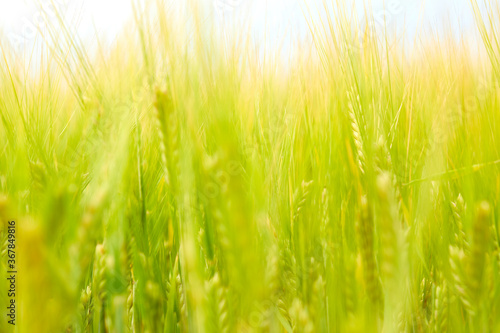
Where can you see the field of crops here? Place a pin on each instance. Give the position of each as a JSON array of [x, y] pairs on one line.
[[186, 180]]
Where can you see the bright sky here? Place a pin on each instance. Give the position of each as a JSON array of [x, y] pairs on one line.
[[18, 18]]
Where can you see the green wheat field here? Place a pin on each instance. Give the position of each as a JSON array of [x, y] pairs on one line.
[[187, 179]]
